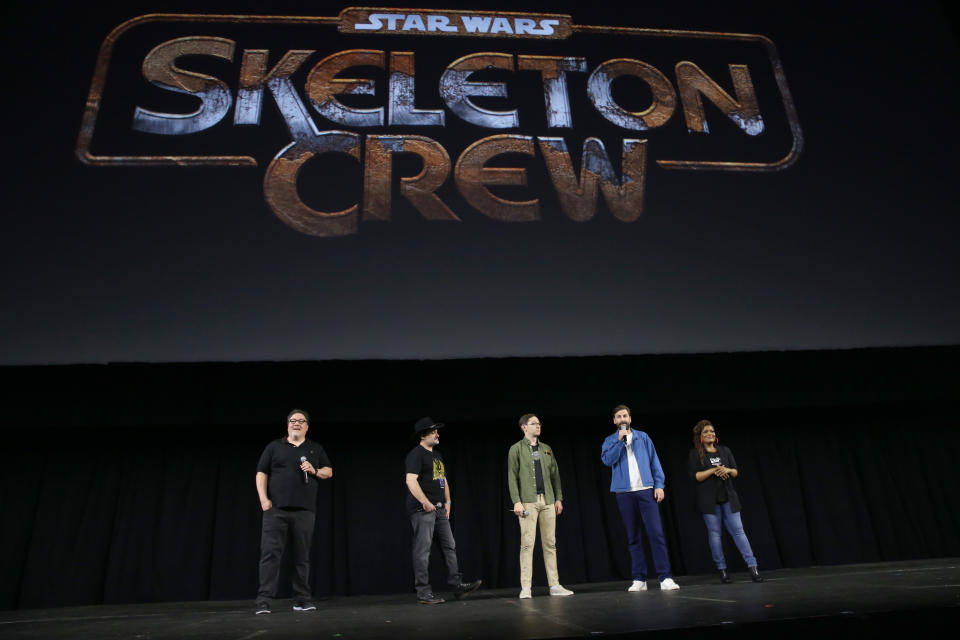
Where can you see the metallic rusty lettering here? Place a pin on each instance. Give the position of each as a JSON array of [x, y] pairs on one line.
[[456, 90], [419, 189], [472, 177], [253, 77], [578, 198], [402, 111], [159, 67], [323, 86], [694, 83], [378, 175], [659, 111], [253, 69], [553, 70], [470, 24], [280, 185]]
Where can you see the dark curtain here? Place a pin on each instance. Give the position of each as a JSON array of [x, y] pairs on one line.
[[134, 483]]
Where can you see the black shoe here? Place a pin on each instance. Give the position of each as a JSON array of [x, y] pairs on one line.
[[304, 605], [261, 607], [466, 587], [430, 598], [724, 578], [754, 575]]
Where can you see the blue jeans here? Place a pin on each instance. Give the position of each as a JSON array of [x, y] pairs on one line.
[[732, 521], [640, 511]]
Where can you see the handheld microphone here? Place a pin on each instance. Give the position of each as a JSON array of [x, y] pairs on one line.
[[624, 427], [306, 480]]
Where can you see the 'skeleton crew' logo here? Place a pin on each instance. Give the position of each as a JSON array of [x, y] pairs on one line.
[[330, 78]]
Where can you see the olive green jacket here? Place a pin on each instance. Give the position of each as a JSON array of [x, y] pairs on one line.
[[522, 478]]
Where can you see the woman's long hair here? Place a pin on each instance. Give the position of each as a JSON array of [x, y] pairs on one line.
[[697, 442]]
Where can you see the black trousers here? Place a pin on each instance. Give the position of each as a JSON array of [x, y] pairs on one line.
[[278, 526]]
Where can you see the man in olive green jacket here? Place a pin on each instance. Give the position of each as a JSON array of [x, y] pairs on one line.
[[534, 481]]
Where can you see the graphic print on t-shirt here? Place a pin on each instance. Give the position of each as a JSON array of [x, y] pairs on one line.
[[715, 462], [439, 472]]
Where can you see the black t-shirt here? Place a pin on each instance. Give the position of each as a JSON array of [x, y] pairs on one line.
[[431, 475], [713, 490], [717, 459], [281, 461], [538, 469]]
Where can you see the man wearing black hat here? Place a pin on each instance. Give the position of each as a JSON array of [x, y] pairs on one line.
[[429, 506]]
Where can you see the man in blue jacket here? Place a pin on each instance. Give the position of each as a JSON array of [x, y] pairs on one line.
[[637, 479]]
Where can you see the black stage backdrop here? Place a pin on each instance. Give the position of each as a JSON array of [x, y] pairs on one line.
[[134, 483]]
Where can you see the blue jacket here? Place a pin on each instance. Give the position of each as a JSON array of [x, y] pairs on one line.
[[614, 454]]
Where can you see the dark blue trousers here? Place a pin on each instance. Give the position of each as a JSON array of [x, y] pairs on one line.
[[640, 511]]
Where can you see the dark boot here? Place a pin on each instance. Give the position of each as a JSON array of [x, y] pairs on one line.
[[724, 578], [466, 587], [754, 575]]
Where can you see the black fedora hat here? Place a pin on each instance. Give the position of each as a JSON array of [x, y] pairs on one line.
[[426, 424]]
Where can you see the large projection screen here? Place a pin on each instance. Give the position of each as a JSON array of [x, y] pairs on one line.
[[283, 181]]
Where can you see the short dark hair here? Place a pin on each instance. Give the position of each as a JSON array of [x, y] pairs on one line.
[[526, 417], [621, 407], [305, 415]]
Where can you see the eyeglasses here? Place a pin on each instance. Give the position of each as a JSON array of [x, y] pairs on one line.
[[297, 421]]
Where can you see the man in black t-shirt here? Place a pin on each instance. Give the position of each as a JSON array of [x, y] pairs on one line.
[[429, 506], [287, 476]]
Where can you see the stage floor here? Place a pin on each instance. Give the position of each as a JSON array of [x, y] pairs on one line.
[[896, 596]]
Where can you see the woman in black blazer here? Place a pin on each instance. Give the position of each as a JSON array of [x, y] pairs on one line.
[[713, 468]]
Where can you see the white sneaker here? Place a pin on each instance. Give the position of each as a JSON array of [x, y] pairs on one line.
[[638, 585], [668, 585], [525, 594], [558, 590]]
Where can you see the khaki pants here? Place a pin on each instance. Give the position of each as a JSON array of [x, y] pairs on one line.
[[546, 516]]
